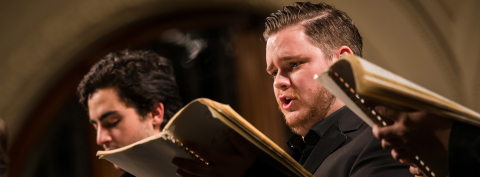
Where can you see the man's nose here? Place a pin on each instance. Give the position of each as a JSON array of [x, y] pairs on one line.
[[103, 136], [281, 82]]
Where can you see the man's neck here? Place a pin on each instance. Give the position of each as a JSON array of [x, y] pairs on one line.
[[335, 107], [337, 104]]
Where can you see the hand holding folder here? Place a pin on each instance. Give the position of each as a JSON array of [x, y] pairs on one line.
[[411, 133], [359, 83]]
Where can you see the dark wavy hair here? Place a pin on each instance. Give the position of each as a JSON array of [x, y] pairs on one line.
[[141, 79], [328, 28]]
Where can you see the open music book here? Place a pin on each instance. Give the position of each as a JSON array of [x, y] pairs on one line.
[[356, 81], [204, 122]]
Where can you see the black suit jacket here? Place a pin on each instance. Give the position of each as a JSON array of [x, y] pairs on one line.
[[348, 148]]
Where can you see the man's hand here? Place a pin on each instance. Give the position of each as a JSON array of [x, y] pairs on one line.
[[412, 132], [219, 164], [413, 169]]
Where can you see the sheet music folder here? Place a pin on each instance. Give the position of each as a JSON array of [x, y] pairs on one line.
[[206, 123], [356, 81]]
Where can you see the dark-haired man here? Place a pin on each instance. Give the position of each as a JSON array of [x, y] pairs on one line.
[[304, 40], [129, 96]]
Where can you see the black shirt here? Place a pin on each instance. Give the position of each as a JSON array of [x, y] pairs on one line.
[[303, 147]]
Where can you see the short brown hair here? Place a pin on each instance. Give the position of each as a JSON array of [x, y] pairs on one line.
[[141, 78], [328, 28]]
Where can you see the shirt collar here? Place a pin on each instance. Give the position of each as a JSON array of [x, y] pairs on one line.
[[322, 127], [316, 132]]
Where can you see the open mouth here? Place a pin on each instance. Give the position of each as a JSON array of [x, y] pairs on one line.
[[287, 102]]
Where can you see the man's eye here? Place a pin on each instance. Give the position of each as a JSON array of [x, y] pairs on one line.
[[112, 124], [294, 64], [274, 73]]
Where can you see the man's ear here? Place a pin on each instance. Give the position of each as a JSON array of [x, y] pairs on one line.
[[344, 50], [157, 115]]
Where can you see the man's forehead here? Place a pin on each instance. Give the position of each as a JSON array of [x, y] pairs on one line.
[[103, 96], [281, 39], [289, 31], [280, 44], [101, 101]]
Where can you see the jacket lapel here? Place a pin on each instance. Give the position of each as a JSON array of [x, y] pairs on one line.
[[327, 144]]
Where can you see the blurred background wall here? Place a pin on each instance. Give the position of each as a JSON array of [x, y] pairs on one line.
[[216, 47]]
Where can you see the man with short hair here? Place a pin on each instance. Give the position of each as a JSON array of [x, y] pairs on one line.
[[129, 96], [304, 40]]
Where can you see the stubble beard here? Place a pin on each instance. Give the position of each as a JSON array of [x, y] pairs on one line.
[[301, 124]]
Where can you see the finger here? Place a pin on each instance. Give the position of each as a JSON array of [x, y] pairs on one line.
[[398, 154], [192, 167], [241, 144], [375, 131], [206, 153], [388, 132], [415, 171], [406, 161], [392, 143], [416, 118], [387, 112]]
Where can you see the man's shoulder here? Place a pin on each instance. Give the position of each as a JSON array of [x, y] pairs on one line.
[[351, 125], [358, 140], [361, 155]]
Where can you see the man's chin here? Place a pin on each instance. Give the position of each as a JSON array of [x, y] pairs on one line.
[[298, 124], [294, 118], [299, 130]]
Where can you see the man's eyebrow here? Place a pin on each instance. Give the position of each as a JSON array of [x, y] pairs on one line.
[[103, 116], [269, 67]]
